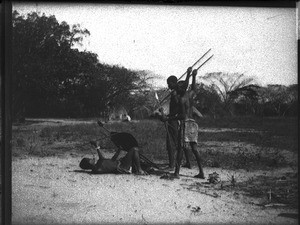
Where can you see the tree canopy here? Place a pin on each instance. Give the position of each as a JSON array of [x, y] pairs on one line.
[[235, 94], [53, 78]]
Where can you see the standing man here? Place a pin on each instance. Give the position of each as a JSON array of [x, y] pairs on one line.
[[172, 126], [188, 131]]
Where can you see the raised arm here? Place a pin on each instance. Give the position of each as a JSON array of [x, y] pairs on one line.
[[188, 75], [99, 153], [194, 80]]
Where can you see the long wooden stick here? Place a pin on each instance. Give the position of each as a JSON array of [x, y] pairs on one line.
[[204, 62], [148, 161], [185, 73], [195, 63]]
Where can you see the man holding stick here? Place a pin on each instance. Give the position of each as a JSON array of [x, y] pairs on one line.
[[188, 131], [172, 125]]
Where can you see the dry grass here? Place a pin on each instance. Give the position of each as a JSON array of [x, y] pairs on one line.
[[269, 136]]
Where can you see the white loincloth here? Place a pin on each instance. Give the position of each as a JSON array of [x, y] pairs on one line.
[[190, 131]]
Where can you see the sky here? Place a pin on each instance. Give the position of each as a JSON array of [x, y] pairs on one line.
[[166, 40]]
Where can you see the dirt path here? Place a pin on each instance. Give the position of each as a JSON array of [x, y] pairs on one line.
[[47, 190]]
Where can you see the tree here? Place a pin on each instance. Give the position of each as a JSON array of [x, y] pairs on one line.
[[53, 78], [120, 83], [43, 60], [230, 87], [292, 100], [144, 94], [207, 100], [278, 99]]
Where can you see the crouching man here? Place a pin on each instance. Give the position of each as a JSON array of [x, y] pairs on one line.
[[121, 166]]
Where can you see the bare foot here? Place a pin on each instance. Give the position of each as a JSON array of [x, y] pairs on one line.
[[201, 176], [169, 176], [141, 172], [170, 169], [187, 165], [175, 175]]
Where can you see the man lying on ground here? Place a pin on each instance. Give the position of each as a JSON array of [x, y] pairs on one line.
[[124, 142], [121, 166]]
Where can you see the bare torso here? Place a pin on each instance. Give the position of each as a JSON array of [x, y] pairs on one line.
[[174, 103], [186, 103]]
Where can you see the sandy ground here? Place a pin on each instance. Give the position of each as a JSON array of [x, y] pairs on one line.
[[49, 190]]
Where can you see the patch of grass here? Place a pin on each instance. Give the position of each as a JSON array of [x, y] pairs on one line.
[[150, 134], [260, 123], [69, 132], [282, 190], [49, 140], [276, 127], [243, 160], [279, 133], [20, 142]]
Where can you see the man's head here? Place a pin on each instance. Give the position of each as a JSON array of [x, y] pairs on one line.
[[87, 163], [172, 82], [181, 87]]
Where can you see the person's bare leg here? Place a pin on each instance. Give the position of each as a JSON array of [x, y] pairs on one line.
[[187, 158], [178, 158], [178, 162], [198, 159], [127, 161], [174, 135], [180, 146], [132, 158], [170, 150], [136, 161]]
